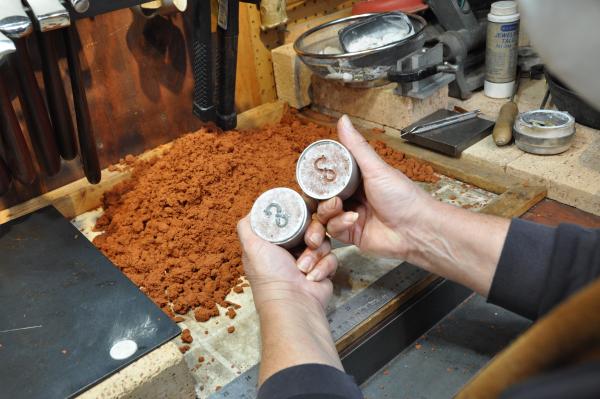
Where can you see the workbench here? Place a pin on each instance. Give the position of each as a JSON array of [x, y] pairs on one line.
[[229, 355]]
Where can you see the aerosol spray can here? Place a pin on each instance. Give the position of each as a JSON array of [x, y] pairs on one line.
[[327, 169], [281, 216], [501, 49]]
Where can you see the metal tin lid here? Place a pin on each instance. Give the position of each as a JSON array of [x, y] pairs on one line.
[[279, 215], [545, 123], [325, 169]]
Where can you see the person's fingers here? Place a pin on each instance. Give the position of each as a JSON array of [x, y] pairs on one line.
[[367, 159], [326, 267], [315, 234], [341, 226], [310, 257], [328, 209]]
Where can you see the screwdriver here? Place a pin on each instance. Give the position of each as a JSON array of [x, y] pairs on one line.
[[502, 132]]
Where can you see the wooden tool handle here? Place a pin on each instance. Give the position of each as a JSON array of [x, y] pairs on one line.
[[16, 151], [502, 132]]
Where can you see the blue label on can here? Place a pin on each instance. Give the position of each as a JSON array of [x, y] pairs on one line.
[[509, 27]]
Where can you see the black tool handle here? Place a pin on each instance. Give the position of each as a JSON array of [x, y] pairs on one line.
[[203, 104], [16, 151], [412, 75], [85, 132], [34, 110], [58, 106], [5, 178], [228, 40]]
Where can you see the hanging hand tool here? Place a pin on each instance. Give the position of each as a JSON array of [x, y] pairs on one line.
[[227, 33], [85, 133], [203, 102], [49, 15], [16, 151], [503, 130], [32, 102]]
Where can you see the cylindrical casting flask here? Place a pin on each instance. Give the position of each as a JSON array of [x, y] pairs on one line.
[[280, 216], [327, 169], [501, 49]]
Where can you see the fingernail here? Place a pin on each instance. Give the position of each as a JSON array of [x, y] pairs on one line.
[[304, 264], [331, 203], [346, 122], [314, 238], [314, 275], [350, 217]]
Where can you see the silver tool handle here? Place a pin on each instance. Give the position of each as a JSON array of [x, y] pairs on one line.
[[451, 120], [80, 6]]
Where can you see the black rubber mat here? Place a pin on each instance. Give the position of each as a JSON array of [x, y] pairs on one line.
[[63, 306]]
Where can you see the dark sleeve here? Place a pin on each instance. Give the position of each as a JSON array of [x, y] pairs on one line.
[[541, 266], [580, 381], [309, 381]]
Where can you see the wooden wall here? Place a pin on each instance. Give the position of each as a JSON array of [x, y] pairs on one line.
[[139, 81]]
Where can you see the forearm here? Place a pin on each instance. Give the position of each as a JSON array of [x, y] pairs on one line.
[[294, 330], [457, 244]]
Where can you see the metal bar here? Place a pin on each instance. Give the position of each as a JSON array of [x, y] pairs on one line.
[[451, 120], [402, 328], [85, 132], [49, 14], [341, 320]]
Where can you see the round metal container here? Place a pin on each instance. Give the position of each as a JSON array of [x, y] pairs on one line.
[[544, 132], [326, 169], [320, 49], [280, 216]]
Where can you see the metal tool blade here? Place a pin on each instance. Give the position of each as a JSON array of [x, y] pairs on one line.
[[49, 14]]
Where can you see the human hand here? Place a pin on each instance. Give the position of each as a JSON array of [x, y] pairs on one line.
[[273, 275], [381, 217]]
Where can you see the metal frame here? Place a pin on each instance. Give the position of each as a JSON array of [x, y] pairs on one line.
[[402, 328]]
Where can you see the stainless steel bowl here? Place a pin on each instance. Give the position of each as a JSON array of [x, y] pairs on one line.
[[320, 49], [544, 132]]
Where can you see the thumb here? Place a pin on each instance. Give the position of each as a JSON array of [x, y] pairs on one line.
[[367, 159], [245, 233]]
